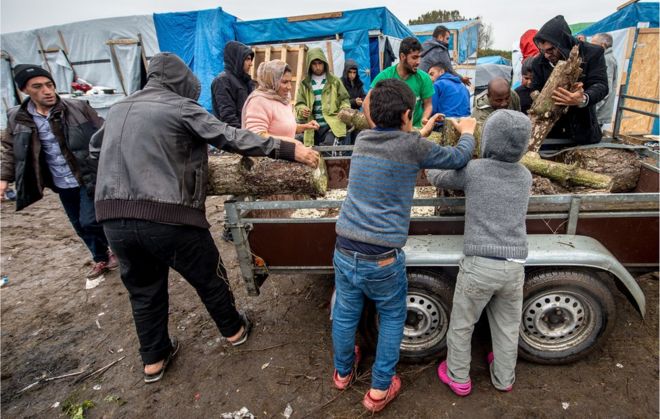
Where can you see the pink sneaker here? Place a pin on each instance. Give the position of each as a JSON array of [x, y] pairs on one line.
[[458, 388], [491, 358], [345, 382]]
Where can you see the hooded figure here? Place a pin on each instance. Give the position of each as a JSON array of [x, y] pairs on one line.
[[527, 46], [150, 196], [230, 89], [497, 188], [579, 124], [355, 87], [434, 51], [327, 102]]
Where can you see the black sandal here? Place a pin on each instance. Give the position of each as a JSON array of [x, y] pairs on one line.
[[247, 326], [152, 378]]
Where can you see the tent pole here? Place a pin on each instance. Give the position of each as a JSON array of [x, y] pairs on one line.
[[42, 50]]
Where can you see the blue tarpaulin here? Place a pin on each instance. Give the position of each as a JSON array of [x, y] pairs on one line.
[[493, 59], [352, 25], [468, 36], [628, 17], [199, 38]]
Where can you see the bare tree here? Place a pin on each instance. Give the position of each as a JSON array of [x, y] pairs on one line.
[[485, 36]]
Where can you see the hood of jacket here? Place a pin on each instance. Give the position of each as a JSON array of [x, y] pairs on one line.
[[315, 54], [505, 136], [557, 32], [431, 44], [450, 78], [235, 54], [168, 71], [351, 65], [527, 46]]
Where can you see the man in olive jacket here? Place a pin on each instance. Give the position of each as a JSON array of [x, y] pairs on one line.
[[320, 97], [46, 146], [150, 196]]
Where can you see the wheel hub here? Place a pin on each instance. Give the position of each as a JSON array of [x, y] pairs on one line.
[[555, 319], [426, 322]]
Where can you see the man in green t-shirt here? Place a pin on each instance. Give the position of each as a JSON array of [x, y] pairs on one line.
[[419, 81]]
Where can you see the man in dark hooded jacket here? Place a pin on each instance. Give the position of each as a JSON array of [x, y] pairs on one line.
[[580, 123], [353, 84], [230, 89], [436, 50], [150, 197]]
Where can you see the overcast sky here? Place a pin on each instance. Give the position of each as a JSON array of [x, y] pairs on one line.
[[508, 22]]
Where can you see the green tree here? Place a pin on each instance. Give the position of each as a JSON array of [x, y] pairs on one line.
[[436, 16]]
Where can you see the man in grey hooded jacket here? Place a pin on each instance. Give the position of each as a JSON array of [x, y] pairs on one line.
[[150, 195]]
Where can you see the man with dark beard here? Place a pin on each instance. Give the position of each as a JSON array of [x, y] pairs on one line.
[[407, 71], [579, 123]]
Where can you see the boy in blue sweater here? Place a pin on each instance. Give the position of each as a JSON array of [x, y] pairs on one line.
[[373, 227], [450, 97]]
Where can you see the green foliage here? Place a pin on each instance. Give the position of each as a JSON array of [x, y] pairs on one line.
[[76, 410], [488, 52], [114, 399], [435, 16]]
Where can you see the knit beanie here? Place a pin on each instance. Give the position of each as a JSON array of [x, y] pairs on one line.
[[24, 72]]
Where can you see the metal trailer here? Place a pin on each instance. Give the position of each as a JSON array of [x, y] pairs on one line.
[[579, 249]]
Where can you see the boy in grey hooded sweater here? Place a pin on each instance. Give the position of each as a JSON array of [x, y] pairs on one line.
[[497, 188]]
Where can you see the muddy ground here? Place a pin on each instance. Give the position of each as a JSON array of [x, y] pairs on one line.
[[52, 326]]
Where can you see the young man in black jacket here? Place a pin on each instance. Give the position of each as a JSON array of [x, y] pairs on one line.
[[353, 84], [580, 123], [230, 89], [46, 146]]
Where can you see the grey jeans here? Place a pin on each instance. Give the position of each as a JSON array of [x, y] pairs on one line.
[[497, 286]]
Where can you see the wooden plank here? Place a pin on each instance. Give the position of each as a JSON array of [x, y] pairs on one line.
[[43, 53], [269, 50], [626, 4], [300, 70], [644, 82], [455, 45], [283, 53], [629, 48], [122, 41], [331, 61], [649, 30], [143, 52], [317, 16]]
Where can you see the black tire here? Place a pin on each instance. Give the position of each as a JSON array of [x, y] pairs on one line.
[[566, 315], [429, 306]]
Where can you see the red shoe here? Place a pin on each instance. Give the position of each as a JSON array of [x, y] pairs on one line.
[[113, 262], [344, 383], [97, 270], [460, 389], [491, 358], [374, 405]]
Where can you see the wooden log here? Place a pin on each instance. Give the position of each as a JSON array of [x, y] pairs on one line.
[[565, 174], [353, 118], [544, 113], [261, 176]]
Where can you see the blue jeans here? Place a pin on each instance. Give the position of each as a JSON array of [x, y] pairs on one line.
[[79, 207], [386, 286]]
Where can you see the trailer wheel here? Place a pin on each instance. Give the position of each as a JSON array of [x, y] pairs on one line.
[[425, 332], [566, 314]]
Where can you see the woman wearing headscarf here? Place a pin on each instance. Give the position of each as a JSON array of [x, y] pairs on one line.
[[267, 110]]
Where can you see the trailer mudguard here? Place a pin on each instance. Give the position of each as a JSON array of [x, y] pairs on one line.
[[545, 250]]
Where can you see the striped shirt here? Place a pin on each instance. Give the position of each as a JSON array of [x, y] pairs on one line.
[[318, 83], [59, 168]]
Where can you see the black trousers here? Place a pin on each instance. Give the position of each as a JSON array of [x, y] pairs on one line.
[[146, 251]]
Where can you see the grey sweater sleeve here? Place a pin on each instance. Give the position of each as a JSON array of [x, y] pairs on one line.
[[208, 128], [447, 179]]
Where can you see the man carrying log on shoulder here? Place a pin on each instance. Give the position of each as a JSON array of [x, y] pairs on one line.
[[580, 123], [150, 195]]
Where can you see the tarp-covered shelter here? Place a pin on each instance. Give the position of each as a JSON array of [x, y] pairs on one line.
[[634, 30], [493, 59], [463, 40]]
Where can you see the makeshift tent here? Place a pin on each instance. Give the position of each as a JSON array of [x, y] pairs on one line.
[[635, 48], [106, 52], [463, 39], [361, 35], [493, 59], [199, 38]]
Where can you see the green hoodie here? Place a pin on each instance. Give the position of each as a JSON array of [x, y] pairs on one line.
[[334, 98]]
